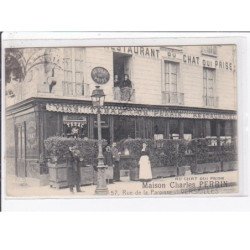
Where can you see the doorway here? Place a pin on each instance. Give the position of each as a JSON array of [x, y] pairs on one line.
[[20, 150], [122, 65]]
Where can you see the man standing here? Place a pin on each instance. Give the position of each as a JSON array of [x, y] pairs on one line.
[[116, 160], [74, 172]]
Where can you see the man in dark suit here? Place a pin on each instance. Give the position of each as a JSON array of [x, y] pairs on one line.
[[74, 172], [116, 161]]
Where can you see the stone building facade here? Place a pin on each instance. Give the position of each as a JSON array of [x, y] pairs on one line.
[[176, 92]]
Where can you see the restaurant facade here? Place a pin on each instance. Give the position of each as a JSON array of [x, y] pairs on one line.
[[181, 92]]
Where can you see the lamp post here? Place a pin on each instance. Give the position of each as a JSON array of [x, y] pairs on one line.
[[98, 98]]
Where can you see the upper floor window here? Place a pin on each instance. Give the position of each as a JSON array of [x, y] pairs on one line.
[[123, 86], [209, 50], [209, 97], [170, 87], [171, 76], [73, 72]]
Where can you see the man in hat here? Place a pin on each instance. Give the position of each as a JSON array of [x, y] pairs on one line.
[[74, 172]]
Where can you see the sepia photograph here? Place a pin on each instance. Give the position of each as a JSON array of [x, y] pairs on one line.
[[126, 121]]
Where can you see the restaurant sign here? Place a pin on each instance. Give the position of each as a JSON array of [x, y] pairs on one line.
[[136, 111], [100, 75], [152, 52]]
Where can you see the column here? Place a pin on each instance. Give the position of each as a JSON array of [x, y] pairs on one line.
[[218, 128], [91, 127], [167, 129], [228, 128], [207, 129], [59, 124], [111, 128], [195, 129], [181, 129], [234, 129]]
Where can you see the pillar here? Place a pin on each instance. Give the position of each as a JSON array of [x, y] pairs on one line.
[[111, 128], [167, 129], [181, 129], [228, 128], [234, 129], [207, 128], [91, 127], [218, 128], [195, 129]]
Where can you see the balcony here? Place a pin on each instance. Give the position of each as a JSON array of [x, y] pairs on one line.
[[210, 101], [174, 98], [124, 94], [75, 89]]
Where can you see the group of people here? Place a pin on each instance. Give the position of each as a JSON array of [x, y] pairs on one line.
[[111, 159], [122, 88]]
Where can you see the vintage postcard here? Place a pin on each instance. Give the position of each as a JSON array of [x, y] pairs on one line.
[[120, 121]]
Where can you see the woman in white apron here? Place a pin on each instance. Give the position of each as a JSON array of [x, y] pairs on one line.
[[145, 172]]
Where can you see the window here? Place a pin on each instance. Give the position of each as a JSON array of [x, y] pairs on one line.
[[73, 72], [171, 76], [209, 50], [209, 87], [170, 88], [124, 127], [75, 126]]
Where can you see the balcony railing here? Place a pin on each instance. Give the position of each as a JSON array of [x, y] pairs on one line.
[[75, 89], [124, 94], [172, 98], [210, 101]]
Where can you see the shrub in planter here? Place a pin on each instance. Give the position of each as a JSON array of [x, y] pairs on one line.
[[229, 151], [198, 153], [57, 149], [169, 154], [58, 153]]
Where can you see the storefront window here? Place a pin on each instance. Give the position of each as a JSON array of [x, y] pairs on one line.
[[213, 128], [105, 127], [124, 127], [159, 128], [222, 128], [174, 129], [188, 129], [75, 126]]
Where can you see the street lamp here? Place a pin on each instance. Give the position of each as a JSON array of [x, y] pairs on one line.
[[98, 98]]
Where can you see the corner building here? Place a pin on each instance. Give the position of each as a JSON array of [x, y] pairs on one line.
[[176, 92]]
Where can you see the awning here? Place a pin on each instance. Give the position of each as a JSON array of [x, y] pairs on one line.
[[141, 112]]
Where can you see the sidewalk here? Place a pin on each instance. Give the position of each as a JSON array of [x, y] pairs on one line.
[[202, 184]]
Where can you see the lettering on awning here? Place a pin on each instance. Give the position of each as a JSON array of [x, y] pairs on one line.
[[136, 111]]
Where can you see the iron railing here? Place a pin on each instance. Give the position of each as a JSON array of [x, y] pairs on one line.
[[172, 98], [127, 94], [75, 89], [210, 101]]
